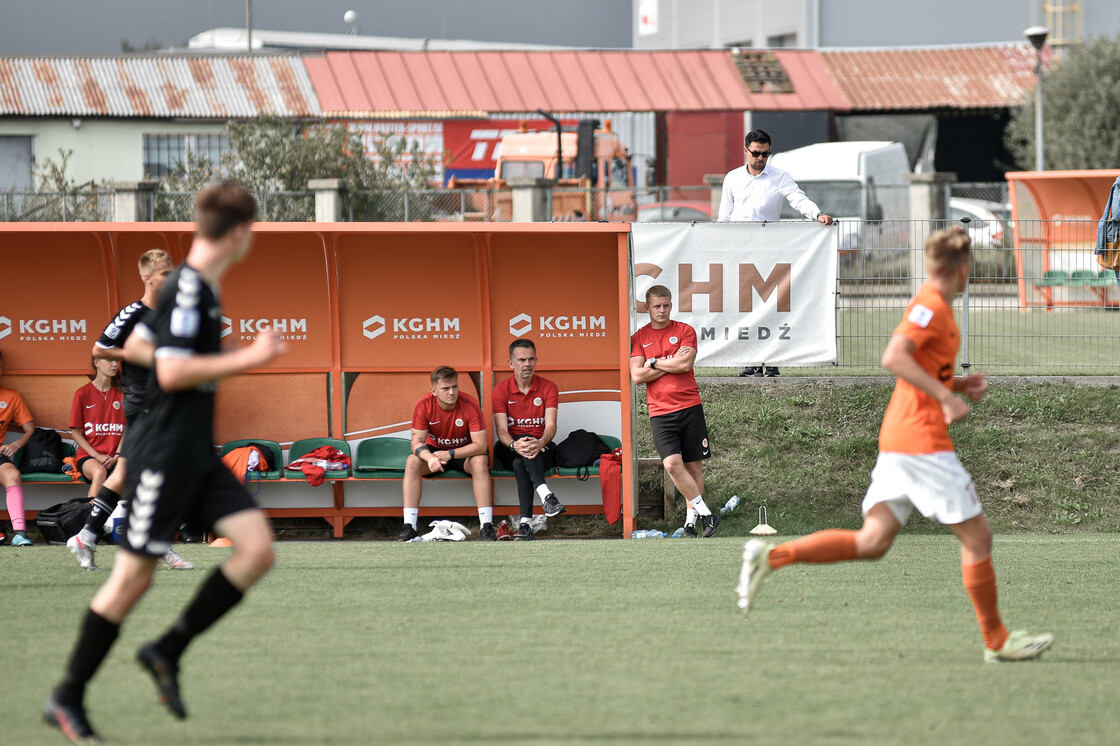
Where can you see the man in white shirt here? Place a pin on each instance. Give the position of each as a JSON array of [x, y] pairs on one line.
[[755, 191]]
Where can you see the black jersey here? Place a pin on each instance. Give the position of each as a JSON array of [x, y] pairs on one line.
[[186, 322], [134, 378]]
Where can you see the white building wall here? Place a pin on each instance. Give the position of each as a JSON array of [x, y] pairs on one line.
[[690, 24], [104, 149]]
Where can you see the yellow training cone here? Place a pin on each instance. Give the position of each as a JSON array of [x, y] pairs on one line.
[[763, 528]]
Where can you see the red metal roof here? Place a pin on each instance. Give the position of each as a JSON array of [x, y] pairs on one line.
[[218, 87], [989, 77], [475, 83]]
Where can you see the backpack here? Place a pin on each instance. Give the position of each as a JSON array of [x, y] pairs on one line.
[[610, 482], [59, 522], [43, 453], [580, 448]]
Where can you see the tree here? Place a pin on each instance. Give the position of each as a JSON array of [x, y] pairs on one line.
[[275, 158], [1080, 110]]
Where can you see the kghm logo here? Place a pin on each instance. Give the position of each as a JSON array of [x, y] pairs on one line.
[[46, 330], [414, 327], [559, 326], [250, 328]]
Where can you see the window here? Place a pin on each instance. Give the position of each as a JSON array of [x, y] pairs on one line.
[[521, 169], [163, 152]]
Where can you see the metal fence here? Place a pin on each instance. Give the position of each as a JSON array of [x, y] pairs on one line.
[[281, 207], [1037, 302], [53, 207]]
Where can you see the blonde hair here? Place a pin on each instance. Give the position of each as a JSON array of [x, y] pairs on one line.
[[659, 291], [947, 250], [151, 259]]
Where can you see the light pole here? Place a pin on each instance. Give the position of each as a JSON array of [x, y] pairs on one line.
[[1037, 36]]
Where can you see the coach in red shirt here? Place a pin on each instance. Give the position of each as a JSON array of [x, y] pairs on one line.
[[447, 434], [661, 356], [525, 407]]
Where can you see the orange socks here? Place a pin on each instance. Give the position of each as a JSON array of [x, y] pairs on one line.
[[980, 582], [833, 545]]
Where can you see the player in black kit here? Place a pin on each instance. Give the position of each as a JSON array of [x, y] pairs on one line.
[[174, 474], [154, 265]]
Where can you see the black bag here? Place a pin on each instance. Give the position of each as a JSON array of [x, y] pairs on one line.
[[59, 522], [580, 448], [42, 454]]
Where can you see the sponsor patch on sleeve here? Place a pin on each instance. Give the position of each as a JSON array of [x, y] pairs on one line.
[[920, 315]]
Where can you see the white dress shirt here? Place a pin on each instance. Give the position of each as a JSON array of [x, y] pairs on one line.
[[747, 197]]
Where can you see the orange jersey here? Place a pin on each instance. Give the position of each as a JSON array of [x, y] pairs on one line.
[[914, 422], [13, 412]]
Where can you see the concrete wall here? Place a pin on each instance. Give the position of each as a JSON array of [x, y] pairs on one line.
[[111, 149]]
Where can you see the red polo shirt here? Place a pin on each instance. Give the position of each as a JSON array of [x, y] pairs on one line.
[[673, 391], [448, 429], [525, 412], [100, 417]]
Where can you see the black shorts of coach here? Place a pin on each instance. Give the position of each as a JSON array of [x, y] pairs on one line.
[[684, 432], [167, 493]]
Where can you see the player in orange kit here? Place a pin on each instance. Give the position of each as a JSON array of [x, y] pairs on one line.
[[917, 467]]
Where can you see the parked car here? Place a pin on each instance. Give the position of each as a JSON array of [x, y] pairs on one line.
[[986, 223], [674, 212]]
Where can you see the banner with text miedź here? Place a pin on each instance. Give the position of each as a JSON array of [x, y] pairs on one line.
[[755, 292]]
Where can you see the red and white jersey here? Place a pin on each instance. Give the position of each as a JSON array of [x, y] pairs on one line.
[[448, 429], [100, 417], [525, 412], [673, 391]]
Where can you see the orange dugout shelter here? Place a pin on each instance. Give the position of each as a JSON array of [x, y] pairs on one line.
[[368, 311], [1054, 216]]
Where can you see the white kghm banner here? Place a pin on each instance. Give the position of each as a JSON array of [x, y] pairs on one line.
[[755, 292]]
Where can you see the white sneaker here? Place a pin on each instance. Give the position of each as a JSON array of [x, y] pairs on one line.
[[172, 561], [81, 550], [1020, 647], [756, 567]]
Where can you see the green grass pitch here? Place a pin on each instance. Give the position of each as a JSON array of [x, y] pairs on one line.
[[588, 642]]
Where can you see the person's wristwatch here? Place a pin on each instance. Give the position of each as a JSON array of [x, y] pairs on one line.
[[653, 364], [451, 454]]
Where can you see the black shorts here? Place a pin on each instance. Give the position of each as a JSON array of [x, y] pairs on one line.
[[684, 432], [5, 460], [163, 497], [80, 463], [129, 423], [455, 464]]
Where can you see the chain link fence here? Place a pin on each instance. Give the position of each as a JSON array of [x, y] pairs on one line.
[[54, 207], [279, 207], [1037, 303]]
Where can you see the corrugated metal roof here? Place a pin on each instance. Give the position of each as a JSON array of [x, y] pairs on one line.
[[161, 86], [982, 77], [475, 83]]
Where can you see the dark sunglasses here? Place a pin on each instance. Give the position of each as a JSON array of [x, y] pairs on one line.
[[759, 154]]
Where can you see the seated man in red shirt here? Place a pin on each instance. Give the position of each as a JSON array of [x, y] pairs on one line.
[[525, 407], [13, 412], [97, 424], [447, 433]]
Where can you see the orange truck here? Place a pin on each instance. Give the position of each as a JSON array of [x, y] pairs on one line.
[[590, 183]]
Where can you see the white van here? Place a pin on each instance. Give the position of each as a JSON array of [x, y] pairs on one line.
[[862, 180]]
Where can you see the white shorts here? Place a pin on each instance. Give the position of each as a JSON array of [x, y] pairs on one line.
[[934, 483]]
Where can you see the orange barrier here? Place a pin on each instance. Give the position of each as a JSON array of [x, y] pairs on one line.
[[368, 310]]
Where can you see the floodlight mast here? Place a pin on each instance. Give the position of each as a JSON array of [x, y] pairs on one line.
[[1037, 37]]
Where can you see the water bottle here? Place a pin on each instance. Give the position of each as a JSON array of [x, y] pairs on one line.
[[678, 533], [118, 520], [650, 534], [730, 505]]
